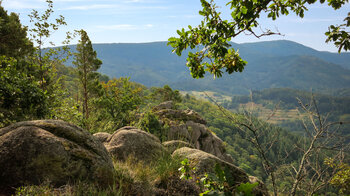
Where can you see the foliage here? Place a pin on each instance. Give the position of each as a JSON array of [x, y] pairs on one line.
[[32, 87], [272, 64], [87, 64], [150, 123], [339, 35], [20, 95], [278, 146], [283, 104], [166, 94], [186, 170], [119, 102], [47, 59], [342, 178], [221, 182], [32, 76], [130, 178], [13, 36], [212, 35], [246, 188]]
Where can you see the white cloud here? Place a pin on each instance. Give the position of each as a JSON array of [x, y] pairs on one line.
[[189, 16], [69, 0], [111, 6], [134, 1], [305, 35], [117, 27], [140, 1], [22, 4], [91, 7], [314, 20], [124, 27]]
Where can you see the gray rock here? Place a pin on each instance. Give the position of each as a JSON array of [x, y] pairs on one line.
[[133, 142], [200, 137], [175, 144], [165, 105], [178, 132], [180, 115], [33, 152], [205, 163], [102, 136]]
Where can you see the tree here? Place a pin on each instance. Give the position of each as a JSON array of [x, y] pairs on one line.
[[87, 63], [342, 177], [121, 98], [20, 95], [13, 36], [298, 168], [324, 141], [49, 57], [166, 94], [339, 35], [211, 37]]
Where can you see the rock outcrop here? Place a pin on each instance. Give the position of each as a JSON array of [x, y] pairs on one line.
[[260, 189], [130, 141], [206, 163], [33, 152], [165, 105], [179, 115], [102, 136], [190, 127], [176, 144]]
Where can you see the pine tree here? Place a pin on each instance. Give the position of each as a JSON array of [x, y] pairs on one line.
[[87, 64]]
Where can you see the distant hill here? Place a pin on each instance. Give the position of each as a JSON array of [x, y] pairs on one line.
[[273, 64], [284, 48], [284, 101]]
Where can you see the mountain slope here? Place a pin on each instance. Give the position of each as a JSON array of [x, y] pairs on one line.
[[270, 64], [288, 48]]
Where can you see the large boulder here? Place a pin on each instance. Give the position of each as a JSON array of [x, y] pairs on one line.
[[53, 151], [130, 141], [203, 139], [102, 136], [189, 126], [206, 163], [176, 144], [165, 105], [180, 115]]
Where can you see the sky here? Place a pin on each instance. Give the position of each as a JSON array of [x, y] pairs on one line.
[[138, 21]]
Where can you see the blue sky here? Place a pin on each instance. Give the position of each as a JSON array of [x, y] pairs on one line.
[[135, 21]]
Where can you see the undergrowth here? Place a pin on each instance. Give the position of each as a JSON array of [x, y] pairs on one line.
[[131, 177]]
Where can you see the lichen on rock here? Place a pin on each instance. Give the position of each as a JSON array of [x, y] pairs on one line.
[[189, 126], [130, 141], [33, 152]]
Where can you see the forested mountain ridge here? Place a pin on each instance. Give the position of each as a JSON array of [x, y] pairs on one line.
[[288, 48], [271, 64]]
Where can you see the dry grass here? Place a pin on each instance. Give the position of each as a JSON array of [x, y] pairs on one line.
[[131, 178]]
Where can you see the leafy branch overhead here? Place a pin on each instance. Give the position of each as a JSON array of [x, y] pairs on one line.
[[339, 35], [211, 37]]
